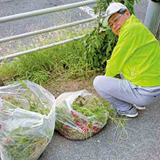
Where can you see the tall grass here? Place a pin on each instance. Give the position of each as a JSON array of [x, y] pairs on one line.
[[44, 65]]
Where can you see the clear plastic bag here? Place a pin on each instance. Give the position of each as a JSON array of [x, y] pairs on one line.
[[80, 115], [27, 120]]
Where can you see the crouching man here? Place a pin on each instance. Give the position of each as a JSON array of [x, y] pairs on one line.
[[137, 57]]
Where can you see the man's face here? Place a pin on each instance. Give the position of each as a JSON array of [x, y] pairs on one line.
[[117, 20]]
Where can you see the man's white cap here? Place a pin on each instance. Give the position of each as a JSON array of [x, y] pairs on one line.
[[113, 8]]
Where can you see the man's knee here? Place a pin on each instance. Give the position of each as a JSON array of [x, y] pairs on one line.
[[102, 83], [97, 82], [106, 84]]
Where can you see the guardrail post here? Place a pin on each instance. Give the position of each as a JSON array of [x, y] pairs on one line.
[[152, 19]]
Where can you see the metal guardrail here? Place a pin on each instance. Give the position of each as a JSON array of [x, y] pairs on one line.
[[42, 12], [45, 11], [24, 35], [40, 48]]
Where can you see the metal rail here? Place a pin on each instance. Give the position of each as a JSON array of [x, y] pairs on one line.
[[45, 11], [39, 48], [42, 12], [28, 34]]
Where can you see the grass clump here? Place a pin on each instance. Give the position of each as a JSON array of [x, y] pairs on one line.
[[45, 65], [41, 66]]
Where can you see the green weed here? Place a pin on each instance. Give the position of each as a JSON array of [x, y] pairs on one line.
[[44, 65]]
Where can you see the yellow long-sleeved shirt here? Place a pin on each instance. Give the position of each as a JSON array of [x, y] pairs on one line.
[[136, 55]]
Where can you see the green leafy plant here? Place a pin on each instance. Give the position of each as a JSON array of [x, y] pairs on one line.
[[45, 65], [24, 135], [99, 46], [101, 41], [87, 117], [33, 104], [24, 147]]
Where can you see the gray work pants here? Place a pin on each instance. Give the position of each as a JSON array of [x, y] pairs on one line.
[[122, 94]]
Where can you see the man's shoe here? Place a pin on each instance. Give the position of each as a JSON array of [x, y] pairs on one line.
[[139, 107], [132, 112]]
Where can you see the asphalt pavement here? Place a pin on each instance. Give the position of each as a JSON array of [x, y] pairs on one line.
[[139, 141]]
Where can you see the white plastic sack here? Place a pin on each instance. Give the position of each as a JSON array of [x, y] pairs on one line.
[[76, 125], [24, 133]]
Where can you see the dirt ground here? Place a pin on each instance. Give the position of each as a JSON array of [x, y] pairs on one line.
[[61, 85], [71, 85]]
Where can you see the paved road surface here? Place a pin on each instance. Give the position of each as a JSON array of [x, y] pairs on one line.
[[141, 141], [11, 7]]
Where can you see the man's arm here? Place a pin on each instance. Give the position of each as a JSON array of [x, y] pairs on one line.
[[124, 49]]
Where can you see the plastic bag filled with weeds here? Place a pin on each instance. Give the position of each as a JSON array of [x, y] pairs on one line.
[[27, 120], [80, 115]]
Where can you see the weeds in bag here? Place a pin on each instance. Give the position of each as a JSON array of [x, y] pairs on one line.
[[86, 117], [27, 116], [20, 147], [80, 115]]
